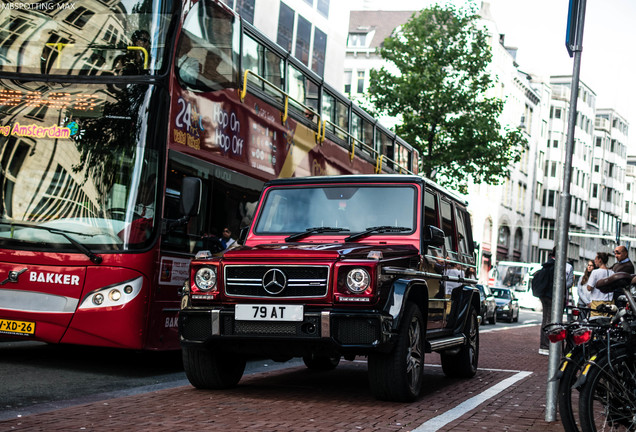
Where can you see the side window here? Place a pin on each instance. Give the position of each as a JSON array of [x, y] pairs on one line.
[[463, 234], [206, 57], [430, 209], [448, 227]]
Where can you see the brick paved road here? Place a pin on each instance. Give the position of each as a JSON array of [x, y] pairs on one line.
[[301, 400]]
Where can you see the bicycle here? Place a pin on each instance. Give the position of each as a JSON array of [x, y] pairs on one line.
[[607, 400]]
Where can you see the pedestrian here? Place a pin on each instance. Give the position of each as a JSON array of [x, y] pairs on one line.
[[623, 263], [545, 294], [597, 297], [584, 295]]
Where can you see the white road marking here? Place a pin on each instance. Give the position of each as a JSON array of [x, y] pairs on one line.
[[442, 420]]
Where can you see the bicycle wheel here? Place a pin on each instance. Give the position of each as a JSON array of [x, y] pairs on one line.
[[608, 399], [568, 399]]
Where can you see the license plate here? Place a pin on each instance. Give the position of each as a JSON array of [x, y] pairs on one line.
[[251, 312], [17, 327]]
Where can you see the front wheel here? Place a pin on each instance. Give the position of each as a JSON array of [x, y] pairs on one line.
[[608, 399], [463, 363], [398, 375], [212, 369]]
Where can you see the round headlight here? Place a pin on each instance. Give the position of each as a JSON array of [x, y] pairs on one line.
[[205, 278], [358, 280]]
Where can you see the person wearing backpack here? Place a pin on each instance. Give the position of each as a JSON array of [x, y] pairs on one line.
[[543, 287]]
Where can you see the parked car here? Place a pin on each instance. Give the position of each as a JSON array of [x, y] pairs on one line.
[[507, 304], [488, 304]]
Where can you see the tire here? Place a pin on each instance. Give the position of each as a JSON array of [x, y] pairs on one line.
[[516, 319], [608, 398], [398, 375], [463, 363], [321, 362], [567, 398], [212, 369]]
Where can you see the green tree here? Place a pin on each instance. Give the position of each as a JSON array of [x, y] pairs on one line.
[[440, 93]]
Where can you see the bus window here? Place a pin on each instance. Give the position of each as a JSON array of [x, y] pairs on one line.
[[252, 52], [328, 108], [296, 88], [384, 146], [367, 133], [274, 70], [342, 118], [356, 127], [205, 57]]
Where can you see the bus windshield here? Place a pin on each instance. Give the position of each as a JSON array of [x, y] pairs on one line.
[[76, 161], [90, 37]]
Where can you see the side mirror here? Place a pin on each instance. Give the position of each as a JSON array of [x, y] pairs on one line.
[[433, 236], [243, 235], [190, 200]]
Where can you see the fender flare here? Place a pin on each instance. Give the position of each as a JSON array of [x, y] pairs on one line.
[[399, 293], [463, 299]]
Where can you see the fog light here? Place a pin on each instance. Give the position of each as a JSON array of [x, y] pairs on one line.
[[98, 299], [114, 295]]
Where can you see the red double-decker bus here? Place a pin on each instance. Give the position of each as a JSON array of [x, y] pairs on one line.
[[109, 113]]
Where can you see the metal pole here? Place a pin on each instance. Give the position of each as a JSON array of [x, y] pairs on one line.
[[563, 224]]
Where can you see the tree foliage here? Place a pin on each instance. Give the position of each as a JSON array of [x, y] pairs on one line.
[[440, 93]]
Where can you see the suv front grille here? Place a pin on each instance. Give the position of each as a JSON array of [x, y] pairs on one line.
[[301, 281]]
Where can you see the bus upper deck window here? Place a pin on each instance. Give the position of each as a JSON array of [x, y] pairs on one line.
[[206, 57]]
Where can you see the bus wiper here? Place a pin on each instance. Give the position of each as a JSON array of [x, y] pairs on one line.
[[93, 257], [314, 230], [376, 230]]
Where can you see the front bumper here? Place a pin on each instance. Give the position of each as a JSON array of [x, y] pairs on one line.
[[343, 330]]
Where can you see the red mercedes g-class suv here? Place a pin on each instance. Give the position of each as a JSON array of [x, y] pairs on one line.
[[336, 267]]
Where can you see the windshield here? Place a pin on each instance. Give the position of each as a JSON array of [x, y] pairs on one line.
[[511, 276], [74, 160], [501, 293], [88, 37], [354, 208]]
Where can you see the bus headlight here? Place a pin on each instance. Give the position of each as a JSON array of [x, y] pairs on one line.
[[205, 278], [116, 295], [358, 280]]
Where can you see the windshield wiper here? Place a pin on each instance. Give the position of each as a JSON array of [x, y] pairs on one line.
[[93, 257], [314, 230], [376, 230]]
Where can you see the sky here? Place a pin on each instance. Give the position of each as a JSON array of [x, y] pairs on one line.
[[537, 28]]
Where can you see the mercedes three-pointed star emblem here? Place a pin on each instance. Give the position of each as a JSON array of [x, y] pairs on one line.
[[274, 281]]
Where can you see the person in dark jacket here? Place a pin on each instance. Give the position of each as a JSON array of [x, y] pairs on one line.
[[623, 263]]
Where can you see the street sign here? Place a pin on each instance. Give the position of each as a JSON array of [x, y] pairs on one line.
[[574, 33]]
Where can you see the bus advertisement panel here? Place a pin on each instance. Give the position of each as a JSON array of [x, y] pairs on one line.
[[105, 109]]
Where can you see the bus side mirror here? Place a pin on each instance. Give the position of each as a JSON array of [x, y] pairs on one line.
[[433, 236], [190, 200]]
